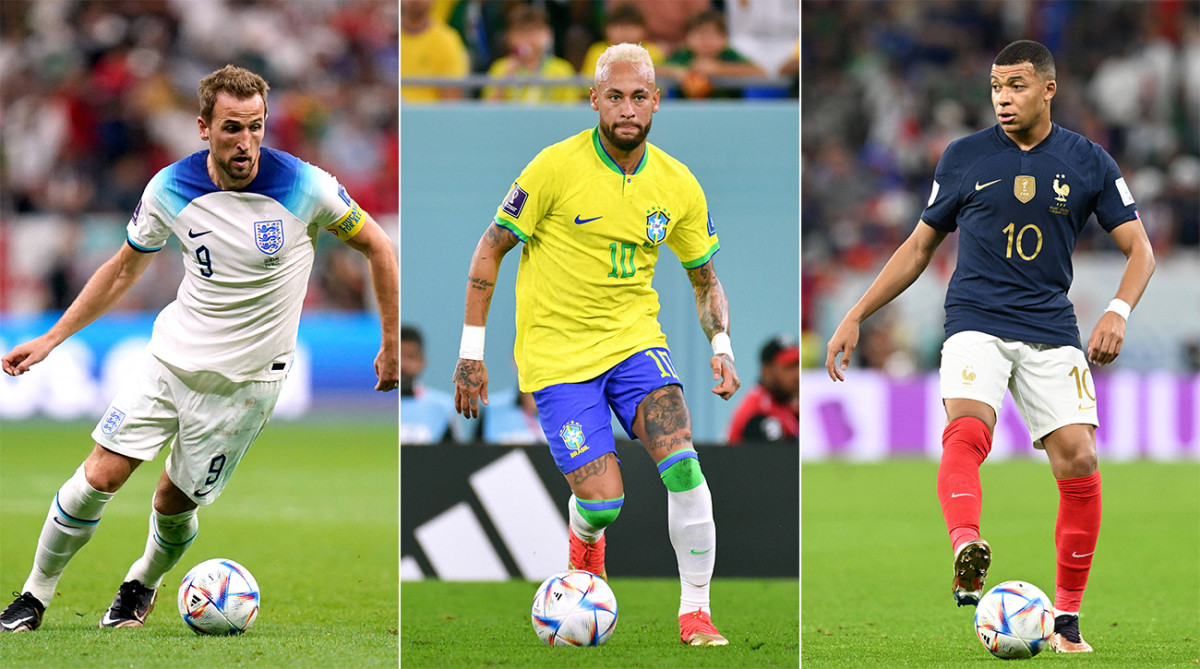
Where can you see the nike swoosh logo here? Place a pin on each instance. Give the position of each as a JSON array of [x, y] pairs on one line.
[[961, 494], [194, 235], [696, 552], [579, 221], [1083, 408], [1077, 555], [979, 187]]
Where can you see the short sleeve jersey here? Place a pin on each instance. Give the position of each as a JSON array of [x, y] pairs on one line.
[[591, 238], [1019, 214], [247, 256]]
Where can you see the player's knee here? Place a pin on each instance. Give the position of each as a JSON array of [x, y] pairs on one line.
[[107, 471], [680, 471], [599, 513]]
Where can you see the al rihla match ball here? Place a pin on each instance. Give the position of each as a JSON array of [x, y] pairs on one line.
[[1014, 620], [219, 597], [574, 608]]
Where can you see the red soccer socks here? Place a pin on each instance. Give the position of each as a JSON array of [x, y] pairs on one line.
[[1075, 538], [966, 443]]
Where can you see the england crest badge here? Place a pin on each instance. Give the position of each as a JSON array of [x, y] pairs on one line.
[[112, 421], [268, 236]]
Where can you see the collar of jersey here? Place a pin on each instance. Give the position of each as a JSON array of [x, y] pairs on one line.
[[612, 164], [1041, 146]]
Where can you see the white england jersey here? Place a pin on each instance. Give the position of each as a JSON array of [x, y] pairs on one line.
[[247, 256]]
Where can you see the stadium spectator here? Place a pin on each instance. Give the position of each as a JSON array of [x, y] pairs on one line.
[[216, 361], [1009, 323], [665, 21], [706, 54], [576, 353], [429, 48], [529, 42], [764, 31], [771, 411], [426, 414], [625, 25]]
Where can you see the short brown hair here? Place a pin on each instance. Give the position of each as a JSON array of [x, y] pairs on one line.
[[238, 82]]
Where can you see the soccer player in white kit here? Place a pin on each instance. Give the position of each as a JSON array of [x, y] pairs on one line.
[[247, 219]]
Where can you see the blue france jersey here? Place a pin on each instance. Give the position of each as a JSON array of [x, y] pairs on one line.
[[1020, 214], [247, 256]]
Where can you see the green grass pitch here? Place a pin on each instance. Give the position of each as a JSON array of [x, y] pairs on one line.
[[875, 564], [488, 624], [311, 512]]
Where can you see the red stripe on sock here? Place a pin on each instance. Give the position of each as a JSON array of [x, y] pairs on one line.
[[966, 443], [1075, 538]]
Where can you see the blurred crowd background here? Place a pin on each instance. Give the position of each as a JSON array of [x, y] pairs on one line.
[[887, 85], [545, 51], [97, 96]]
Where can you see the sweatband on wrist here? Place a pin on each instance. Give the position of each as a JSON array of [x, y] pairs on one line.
[[1119, 307], [471, 347], [721, 345]]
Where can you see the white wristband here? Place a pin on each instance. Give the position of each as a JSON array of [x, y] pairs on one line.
[[1120, 308], [721, 345], [471, 347]]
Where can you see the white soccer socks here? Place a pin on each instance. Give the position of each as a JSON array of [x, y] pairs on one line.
[[71, 522], [694, 537], [169, 539]]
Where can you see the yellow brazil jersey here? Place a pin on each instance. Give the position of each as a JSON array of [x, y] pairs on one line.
[[438, 51], [591, 236]]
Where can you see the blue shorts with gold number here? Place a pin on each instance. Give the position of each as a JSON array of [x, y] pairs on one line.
[[576, 416]]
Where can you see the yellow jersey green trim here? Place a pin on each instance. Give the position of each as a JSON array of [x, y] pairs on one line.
[[511, 227], [612, 164], [704, 258]]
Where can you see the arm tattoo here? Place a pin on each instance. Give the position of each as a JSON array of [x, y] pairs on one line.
[[480, 284], [711, 304], [499, 238]]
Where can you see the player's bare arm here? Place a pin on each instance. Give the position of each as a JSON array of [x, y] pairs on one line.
[[1109, 334], [470, 376], [106, 287], [374, 243], [713, 308], [905, 265]]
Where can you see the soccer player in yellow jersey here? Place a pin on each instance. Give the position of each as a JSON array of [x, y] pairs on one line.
[[592, 212]]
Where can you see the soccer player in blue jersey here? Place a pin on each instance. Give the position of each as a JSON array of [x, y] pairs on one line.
[[246, 218], [593, 211], [1019, 193]]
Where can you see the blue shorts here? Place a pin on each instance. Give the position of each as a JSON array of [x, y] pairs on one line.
[[576, 417]]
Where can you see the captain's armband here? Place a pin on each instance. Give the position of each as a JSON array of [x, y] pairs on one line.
[[349, 224]]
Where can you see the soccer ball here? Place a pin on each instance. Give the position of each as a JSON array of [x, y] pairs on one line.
[[1014, 620], [218, 597], [574, 608]]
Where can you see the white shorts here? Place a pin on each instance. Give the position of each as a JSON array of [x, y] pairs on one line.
[[213, 421], [1051, 385]]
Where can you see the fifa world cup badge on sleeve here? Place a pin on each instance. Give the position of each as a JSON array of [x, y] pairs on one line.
[[268, 236], [514, 202], [112, 421]]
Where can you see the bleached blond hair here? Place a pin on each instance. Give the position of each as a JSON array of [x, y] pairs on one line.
[[624, 53]]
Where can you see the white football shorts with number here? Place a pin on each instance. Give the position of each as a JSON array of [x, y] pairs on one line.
[[1051, 385], [212, 420]]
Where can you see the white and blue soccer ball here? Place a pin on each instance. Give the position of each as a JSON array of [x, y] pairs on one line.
[[219, 597], [1014, 620], [574, 608]]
